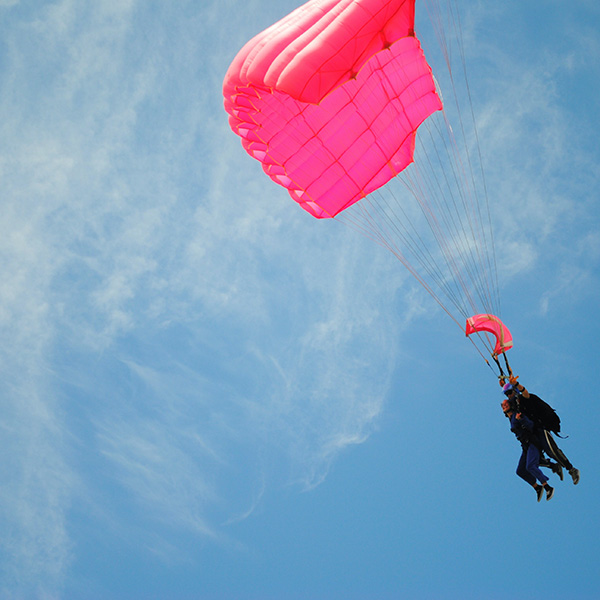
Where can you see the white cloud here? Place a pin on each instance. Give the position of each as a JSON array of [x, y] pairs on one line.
[[38, 484], [160, 472]]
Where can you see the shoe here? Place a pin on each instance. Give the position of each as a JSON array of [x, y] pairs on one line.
[[574, 473], [556, 468], [539, 490], [549, 492]]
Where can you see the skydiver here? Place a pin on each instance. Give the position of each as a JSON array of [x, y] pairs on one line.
[[545, 442], [528, 467]]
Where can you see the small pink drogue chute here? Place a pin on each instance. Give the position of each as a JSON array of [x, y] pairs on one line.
[[329, 99], [491, 324]]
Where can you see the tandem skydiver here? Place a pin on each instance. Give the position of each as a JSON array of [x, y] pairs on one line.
[[533, 432]]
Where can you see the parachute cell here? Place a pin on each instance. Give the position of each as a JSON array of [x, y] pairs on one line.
[[491, 324], [329, 99]]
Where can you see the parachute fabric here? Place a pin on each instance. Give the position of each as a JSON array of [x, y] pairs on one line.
[[491, 324], [329, 99]]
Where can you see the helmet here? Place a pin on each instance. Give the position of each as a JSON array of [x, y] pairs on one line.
[[508, 387]]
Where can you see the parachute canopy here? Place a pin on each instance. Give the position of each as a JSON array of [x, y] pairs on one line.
[[491, 324], [329, 99]]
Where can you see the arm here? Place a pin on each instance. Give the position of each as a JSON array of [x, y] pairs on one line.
[[524, 421], [520, 388]]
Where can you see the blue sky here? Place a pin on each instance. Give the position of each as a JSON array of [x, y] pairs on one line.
[[206, 393]]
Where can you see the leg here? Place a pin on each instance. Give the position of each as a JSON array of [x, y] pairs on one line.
[[532, 464], [522, 470], [549, 464], [554, 451]]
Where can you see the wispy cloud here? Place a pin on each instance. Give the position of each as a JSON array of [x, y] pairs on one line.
[[531, 161], [37, 483], [53, 161]]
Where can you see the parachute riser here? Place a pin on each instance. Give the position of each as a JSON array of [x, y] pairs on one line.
[[502, 377]]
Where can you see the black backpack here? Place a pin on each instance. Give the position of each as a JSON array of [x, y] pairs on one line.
[[540, 412]]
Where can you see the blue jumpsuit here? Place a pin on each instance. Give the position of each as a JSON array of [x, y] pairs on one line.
[[529, 463]]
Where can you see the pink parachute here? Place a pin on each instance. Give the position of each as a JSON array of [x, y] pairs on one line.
[[329, 99], [491, 324]]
